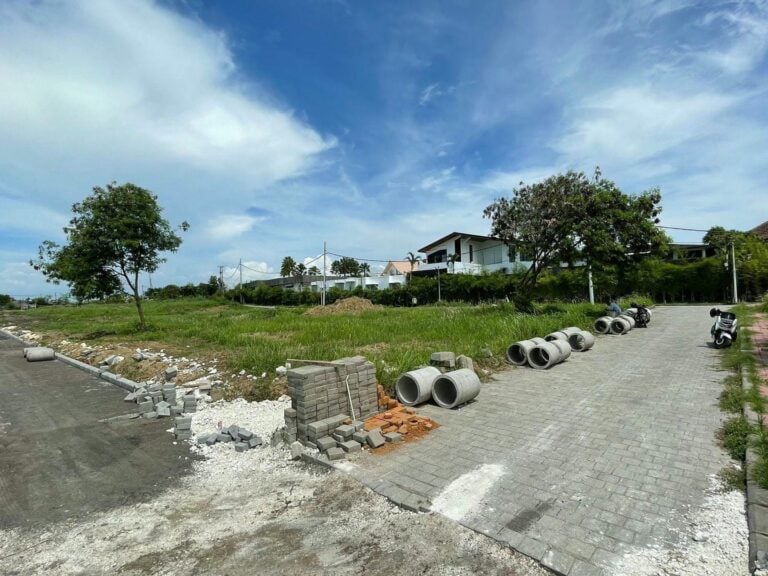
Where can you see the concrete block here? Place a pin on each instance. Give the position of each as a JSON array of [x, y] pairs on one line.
[[351, 446], [163, 411], [325, 443], [375, 438], [465, 362], [223, 437], [233, 432], [146, 406], [183, 434], [338, 437], [175, 411], [290, 413], [241, 447], [335, 453], [244, 434], [150, 415], [190, 409], [345, 431], [183, 423], [393, 437], [131, 397], [212, 439], [171, 372], [445, 359], [318, 428], [361, 437], [162, 404], [358, 425], [154, 388], [297, 449], [255, 441]]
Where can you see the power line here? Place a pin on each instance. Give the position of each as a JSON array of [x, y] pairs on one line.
[[686, 229]]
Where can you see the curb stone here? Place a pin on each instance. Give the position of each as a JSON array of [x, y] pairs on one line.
[[757, 498], [118, 381]]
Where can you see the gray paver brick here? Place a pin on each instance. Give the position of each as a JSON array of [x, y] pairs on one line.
[[618, 448]]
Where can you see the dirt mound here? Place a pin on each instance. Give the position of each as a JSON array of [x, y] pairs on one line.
[[351, 305]]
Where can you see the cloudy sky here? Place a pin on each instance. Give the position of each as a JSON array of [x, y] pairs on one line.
[[274, 125]]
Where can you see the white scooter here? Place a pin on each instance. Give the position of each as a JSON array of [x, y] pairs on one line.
[[725, 329]]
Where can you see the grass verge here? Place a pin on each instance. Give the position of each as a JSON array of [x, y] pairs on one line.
[[259, 339]]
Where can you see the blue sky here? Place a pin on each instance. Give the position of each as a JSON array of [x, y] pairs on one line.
[[378, 127]]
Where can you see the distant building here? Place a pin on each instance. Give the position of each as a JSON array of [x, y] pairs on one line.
[[463, 253]]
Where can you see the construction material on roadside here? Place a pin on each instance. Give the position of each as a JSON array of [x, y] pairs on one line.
[[39, 354], [563, 334], [581, 341], [548, 354], [415, 387], [161, 400], [518, 352], [603, 324], [622, 324], [241, 438], [455, 388]]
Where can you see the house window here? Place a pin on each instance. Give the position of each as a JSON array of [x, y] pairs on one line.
[[439, 256], [471, 254], [457, 249], [512, 253]]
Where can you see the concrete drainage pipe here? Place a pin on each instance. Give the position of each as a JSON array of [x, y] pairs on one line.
[[415, 387], [582, 341], [455, 388], [39, 354], [620, 325], [603, 324], [548, 354], [563, 334], [565, 349], [518, 352]]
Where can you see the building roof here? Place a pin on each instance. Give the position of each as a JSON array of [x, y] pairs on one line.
[[402, 266], [761, 231], [453, 234]]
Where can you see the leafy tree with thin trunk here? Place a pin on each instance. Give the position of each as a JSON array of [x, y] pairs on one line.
[[569, 217], [287, 267], [116, 233], [314, 271]]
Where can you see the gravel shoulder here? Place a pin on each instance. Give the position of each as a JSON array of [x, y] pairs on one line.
[[257, 512]]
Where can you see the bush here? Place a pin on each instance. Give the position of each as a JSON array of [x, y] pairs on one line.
[[735, 437]]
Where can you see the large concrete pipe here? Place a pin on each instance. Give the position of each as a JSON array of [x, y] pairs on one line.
[[629, 319], [603, 324], [546, 355], [620, 325], [40, 354], [455, 388], [415, 387], [582, 341], [517, 353], [564, 347], [563, 334]]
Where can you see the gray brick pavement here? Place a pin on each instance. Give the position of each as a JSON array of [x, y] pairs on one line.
[[600, 454]]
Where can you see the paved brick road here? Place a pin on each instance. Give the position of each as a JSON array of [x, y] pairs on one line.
[[579, 464]]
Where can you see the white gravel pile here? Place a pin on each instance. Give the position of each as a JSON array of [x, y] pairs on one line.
[[714, 542], [261, 418]]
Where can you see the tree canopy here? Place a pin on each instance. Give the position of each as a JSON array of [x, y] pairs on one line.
[[116, 233], [569, 217]]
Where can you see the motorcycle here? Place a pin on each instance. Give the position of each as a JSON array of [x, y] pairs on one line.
[[725, 329]]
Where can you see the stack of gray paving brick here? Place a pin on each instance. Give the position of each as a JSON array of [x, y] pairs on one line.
[[243, 438], [183, 427], [156, 401], [320, 394], [190, 403]]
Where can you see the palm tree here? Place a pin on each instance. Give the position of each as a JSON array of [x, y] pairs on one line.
[[452, 259], [365, 269], [314, 271], [287, 267], [412, 260], [299, 271]]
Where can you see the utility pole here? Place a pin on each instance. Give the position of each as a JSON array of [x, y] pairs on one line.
[[221, 279], [325, 251], [733, 271], [240, 286], [591, 285], [438, 284]]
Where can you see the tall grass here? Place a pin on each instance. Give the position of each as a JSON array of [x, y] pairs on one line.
[[258, 340]]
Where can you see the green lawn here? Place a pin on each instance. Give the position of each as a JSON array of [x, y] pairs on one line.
[[258, 340]]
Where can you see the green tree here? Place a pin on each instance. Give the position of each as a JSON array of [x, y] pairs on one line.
[[287, 267], [314, 271], [346, 266], [569, 217], [116, 233], [299, 271], [413, 259], [365, 269]]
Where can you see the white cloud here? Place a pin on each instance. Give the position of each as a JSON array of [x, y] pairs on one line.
[[129, 79], [436, 181], [252, 270], [230, 226], [749, 40]]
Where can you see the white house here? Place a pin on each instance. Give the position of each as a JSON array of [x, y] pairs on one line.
[[461, 253]]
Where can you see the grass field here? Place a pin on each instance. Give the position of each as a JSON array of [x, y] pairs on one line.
[[258, 339]]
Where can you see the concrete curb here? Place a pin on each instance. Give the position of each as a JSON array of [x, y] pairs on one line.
[[119, 381], [757, 498]]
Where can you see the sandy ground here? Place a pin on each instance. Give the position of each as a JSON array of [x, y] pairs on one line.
[[257, 513]]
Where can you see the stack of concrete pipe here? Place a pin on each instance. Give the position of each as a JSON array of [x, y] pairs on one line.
[[621, 324], [447, 390], [542, 353]]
